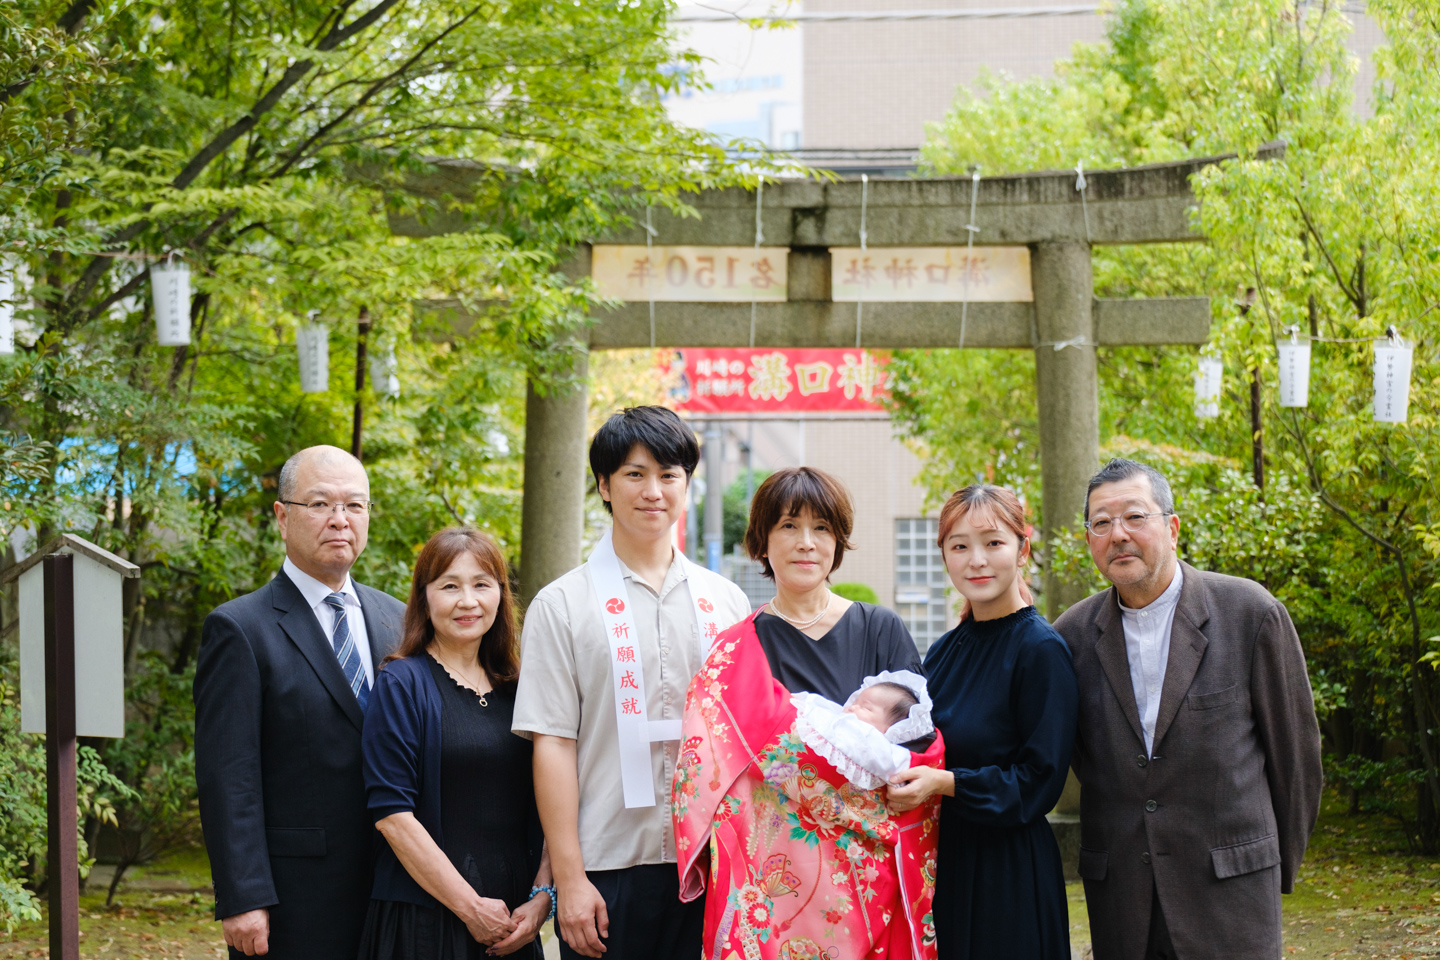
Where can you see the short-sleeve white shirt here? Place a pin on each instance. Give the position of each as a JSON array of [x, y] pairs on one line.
[[566, 690]]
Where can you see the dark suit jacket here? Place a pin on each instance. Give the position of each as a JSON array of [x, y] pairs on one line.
[[1217, 820], [277, 760]]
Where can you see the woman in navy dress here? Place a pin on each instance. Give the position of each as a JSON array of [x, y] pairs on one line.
[[1005, 700], [462, 873]]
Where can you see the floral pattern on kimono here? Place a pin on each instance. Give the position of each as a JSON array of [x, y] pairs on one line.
[[800, 863]]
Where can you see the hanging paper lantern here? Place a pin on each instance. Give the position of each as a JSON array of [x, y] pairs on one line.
[[8, 270], [313, 343], [385, 373], [1294, 372], [1392, 379], [1207, 387], [170, 284]]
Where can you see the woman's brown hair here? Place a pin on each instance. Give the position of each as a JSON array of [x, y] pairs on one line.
[[997, 504], [787, 492], [499, 651]]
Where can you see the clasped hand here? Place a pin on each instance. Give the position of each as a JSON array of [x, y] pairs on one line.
[[489, 921], [527, 918], [910, 788]]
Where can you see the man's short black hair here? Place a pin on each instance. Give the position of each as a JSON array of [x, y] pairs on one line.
[[657, 429], [1122, 469]]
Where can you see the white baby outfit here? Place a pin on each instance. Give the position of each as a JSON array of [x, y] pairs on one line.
[[864, 755]]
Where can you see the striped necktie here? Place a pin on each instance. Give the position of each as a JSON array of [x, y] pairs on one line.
[[349, 657]]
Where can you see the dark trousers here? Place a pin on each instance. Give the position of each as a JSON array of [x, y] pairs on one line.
[[647, 919], [1158, 945]]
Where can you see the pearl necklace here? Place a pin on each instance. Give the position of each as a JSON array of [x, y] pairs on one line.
[[798, 625]]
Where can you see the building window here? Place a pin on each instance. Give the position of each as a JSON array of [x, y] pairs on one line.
[[920, 580]]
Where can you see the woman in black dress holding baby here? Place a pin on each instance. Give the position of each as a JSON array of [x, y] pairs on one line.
[[1005, 700], [817, 641]]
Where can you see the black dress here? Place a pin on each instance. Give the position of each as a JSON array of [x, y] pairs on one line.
[[864, 641], [1005, 701], [488, 822]]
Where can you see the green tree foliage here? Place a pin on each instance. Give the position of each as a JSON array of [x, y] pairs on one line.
[[270, 145], [1339, 240], [858, 592], [22, 807]]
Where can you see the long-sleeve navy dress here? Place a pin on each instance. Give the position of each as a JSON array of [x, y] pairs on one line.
[[1005, 700]]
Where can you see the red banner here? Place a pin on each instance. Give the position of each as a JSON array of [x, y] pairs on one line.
[[703, 380]]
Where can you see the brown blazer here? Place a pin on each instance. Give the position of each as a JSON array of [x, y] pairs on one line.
[[1217, 820]]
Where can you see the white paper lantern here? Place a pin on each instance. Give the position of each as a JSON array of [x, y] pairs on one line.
[[1392, 380], [313, 343], [7, 306], [170, 283], [1207, 387], [385, 373], [1294, 373]]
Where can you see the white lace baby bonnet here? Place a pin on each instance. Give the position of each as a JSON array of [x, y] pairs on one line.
[[865, 756]]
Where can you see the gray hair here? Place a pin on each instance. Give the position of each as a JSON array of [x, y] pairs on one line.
[[1122, 469], [323, 453]]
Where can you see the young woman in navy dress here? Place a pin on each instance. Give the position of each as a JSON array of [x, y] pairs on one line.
[[1005, 700]]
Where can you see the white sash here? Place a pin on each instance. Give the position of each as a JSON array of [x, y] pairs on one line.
[[636, 731]]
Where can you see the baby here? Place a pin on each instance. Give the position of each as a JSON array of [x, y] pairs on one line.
[[882, 704], [862, 738]]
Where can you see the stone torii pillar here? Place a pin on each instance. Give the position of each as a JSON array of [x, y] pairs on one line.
[[1043, 212]]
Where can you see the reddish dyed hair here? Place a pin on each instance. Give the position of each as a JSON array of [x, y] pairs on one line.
[[499, 650], [997, 504]]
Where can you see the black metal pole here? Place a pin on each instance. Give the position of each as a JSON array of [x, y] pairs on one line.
[[357, 426], [62, 866]]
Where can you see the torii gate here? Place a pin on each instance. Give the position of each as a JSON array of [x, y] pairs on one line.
[[1044, 212]]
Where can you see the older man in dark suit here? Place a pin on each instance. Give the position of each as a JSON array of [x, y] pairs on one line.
[[1197, 748], [280, 691]]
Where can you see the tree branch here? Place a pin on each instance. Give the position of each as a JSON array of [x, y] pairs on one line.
[[222, 142], [370, 93], [1320, 241]]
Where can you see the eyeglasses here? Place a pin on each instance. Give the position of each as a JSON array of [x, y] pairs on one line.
[[324, 508], [1133, 522]]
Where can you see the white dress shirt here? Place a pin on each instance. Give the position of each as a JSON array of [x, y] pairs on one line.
[[1147, 647], [315, 593]]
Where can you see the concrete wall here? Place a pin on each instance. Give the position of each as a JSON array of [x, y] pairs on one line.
[[876, 84]]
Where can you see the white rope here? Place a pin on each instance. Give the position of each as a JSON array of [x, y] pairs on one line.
[[1077, 342], [650, 272], [970, 231], [759, 238], [1080, 186], [860, 295]]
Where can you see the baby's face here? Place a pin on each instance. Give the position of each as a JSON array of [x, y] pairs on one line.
[[874, 706]]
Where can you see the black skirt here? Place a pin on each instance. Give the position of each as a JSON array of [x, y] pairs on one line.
[[487, 823], [408, 931]]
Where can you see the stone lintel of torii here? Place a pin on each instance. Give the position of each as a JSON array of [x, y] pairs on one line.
[[1043, 212]]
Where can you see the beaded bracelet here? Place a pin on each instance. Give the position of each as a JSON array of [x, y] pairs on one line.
[[546, 889]]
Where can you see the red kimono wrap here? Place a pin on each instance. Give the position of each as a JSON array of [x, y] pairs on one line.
[[800, 864]]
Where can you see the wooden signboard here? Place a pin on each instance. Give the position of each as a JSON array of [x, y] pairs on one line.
[[931, 274], [689, 274]]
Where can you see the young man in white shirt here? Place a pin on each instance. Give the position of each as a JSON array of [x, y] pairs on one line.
[[607, 653]]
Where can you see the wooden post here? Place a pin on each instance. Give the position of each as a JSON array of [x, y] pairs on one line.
[[355, 431], [62, 864]]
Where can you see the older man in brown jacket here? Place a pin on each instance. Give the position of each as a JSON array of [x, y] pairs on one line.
[[1197, 748]]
